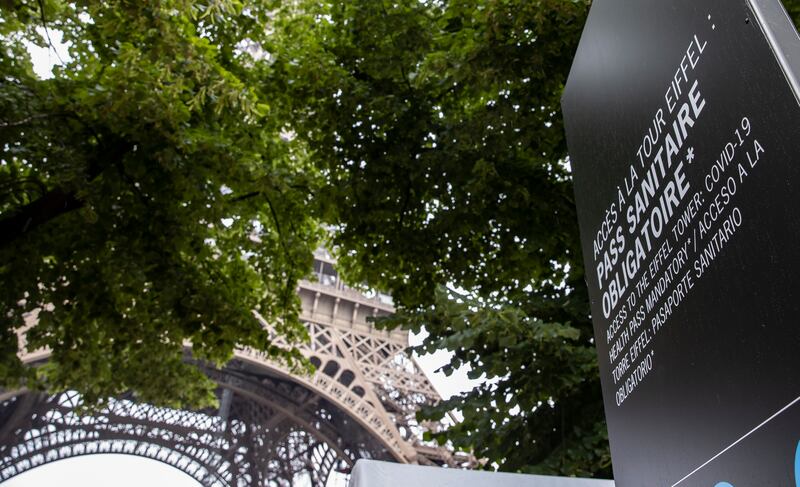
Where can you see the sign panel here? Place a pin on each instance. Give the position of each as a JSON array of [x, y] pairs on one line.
[[684, 134]]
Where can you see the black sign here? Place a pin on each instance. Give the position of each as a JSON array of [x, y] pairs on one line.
[[684, 134]]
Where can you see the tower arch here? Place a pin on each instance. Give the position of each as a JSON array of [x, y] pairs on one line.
[[271, 424]]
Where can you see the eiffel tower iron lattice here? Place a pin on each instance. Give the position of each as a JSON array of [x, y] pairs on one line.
[[272, 428]]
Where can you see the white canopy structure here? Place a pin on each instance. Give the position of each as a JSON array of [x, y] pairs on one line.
[[372, 473]]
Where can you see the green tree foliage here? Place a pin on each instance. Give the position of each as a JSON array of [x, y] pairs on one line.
[[438, 127], [146, 196], [169, 179]]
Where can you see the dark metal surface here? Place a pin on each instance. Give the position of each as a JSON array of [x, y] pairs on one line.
[[718, 398]]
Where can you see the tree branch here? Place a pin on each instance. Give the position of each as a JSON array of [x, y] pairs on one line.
[[47, 32], [19, 221], [24, 121], [394, 43], [244, 197], [52, 204]]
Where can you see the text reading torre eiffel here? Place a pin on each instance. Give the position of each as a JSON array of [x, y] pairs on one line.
[[272, 428]]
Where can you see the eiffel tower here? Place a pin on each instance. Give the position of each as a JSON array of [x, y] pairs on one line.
[[272, 428]]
